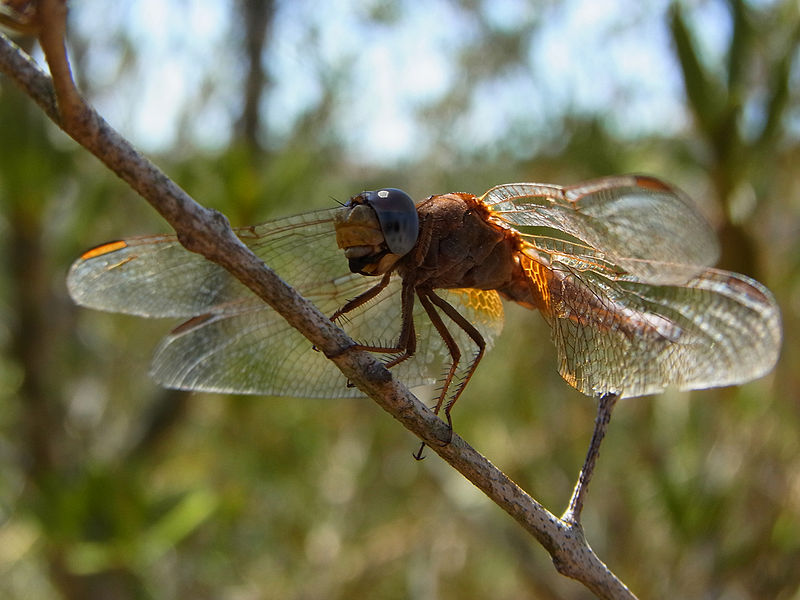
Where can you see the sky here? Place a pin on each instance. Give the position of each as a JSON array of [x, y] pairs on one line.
[[602, 56]]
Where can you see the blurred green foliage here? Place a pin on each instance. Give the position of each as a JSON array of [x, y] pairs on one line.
[[113, 488]]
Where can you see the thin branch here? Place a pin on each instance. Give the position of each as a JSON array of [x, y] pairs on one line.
[[208, 233], [605, 404]]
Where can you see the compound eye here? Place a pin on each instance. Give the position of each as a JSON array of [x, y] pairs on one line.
[[397, 216]]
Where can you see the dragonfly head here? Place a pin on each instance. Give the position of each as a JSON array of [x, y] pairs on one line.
[[376, 229]]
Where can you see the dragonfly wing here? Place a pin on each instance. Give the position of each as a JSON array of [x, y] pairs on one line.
[[633, 338], [637, 223], [246, 347], [156, 277]]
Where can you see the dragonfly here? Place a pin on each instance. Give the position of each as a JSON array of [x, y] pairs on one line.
[[619, 267]]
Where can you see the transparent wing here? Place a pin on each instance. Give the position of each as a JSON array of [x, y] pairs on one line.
[[639, 224], [155, 276], [251, 349], [622, 335], [632, 304]]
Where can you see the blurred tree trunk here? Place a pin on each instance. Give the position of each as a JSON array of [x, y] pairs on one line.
[[256, 17], [31, 344]]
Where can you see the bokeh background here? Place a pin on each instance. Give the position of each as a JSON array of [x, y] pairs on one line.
[[113, 488]]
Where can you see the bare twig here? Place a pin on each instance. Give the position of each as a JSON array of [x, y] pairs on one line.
[[605, 404], [208, 233]]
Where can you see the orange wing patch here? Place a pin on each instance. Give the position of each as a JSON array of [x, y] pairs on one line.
[[481, 301], [104, 249], [537, 276]]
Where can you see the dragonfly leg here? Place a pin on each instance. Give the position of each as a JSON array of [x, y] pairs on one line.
[[363, 297], [418, 455], [429, 302], [406, 345], [605, 405], [476, 337], [407, 342], [455, 355], [455, 352]]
